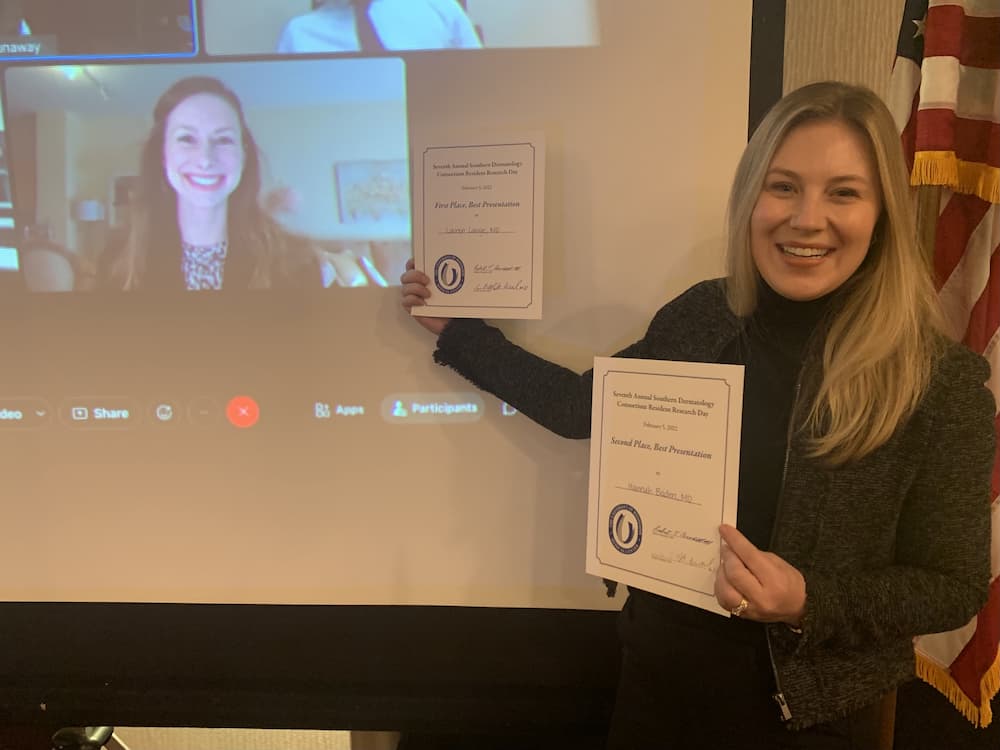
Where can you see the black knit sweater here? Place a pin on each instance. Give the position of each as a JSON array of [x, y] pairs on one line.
[[891, 546]]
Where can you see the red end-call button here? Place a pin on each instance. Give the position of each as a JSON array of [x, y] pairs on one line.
[[242, 412]]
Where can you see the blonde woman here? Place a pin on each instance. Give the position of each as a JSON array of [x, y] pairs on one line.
[[866, 454]]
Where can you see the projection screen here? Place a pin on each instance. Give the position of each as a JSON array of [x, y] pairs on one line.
[[128, 472]]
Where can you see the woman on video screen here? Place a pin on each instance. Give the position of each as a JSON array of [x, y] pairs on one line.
[[196, 222]]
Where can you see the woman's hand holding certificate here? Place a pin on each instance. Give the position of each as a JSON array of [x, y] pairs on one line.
[[774, 590], [415, 293]]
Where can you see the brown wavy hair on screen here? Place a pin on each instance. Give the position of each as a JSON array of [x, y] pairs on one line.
[[259, 249]]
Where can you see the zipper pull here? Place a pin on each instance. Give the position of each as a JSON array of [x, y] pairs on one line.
[[786, 714]]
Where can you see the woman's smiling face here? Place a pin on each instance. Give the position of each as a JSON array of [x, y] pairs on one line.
[[813, 221], [203, 150]]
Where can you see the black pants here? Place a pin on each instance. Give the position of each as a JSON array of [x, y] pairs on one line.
[[688, 707]]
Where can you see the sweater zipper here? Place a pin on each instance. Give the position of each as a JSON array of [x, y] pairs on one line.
[[779, 696]]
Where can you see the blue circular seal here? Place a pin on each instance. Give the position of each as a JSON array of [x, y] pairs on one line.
[[625, 528], [449, 274]]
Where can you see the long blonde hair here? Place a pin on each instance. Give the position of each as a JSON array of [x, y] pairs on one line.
[[882, 342]]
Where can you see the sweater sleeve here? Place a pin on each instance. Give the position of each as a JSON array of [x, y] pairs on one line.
[[940, 576], [555, 397]]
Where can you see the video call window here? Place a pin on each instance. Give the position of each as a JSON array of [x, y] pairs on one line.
[[208, 176], [46, 29], [235, 27]]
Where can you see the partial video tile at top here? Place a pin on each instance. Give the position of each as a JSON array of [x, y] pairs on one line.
[[238, 27], [89, 29]]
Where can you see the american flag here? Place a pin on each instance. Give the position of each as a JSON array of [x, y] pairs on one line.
[[945, 97]]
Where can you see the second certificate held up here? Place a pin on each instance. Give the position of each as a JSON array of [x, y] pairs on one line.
[[664, 473]]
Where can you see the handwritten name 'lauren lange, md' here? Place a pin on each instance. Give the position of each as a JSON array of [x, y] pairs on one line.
[[637, 443]]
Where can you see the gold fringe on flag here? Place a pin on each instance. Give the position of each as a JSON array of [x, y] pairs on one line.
[[938, 677], [944, 168]]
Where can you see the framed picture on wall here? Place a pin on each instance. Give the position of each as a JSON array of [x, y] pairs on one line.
[[372, 190]]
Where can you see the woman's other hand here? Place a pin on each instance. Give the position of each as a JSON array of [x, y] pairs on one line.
[[415, 293], [775, 591]]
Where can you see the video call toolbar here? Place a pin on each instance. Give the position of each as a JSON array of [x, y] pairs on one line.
[[240, 411]]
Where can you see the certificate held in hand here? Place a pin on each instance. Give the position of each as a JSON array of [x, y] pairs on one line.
[[478, 227], [664, 474]]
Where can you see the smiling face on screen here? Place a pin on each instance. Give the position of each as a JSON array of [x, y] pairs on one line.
[[813, 221], [203, 152]]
